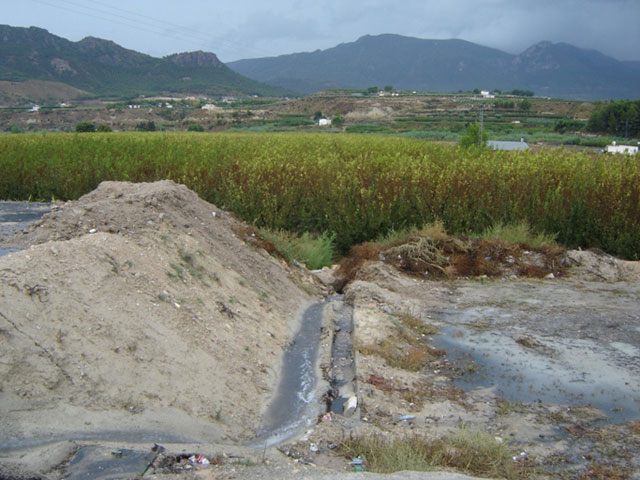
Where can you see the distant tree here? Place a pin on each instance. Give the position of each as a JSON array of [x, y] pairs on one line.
[[85, 127], [388, 88], [338, 122], [317, 116], [472, 137], [195, 127], [149, 126], [15, 129], [521, 93], [371, 90], [504, 104], [565, 125], [620, 118], [104, 128], [497, 92], [476, 91], [524, 105]]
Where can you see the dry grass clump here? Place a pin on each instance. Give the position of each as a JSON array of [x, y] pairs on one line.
[[477, 453], [406, 349], [417, 325], [429, 252], [415, 394], [413, 360], [605, 471]]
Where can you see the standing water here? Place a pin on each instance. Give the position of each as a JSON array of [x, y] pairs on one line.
[[15, 216]]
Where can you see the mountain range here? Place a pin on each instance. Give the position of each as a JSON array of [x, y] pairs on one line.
[[103, 68], [549, 69], [97, 67]]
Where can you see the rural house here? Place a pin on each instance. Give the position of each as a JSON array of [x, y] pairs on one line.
[[622, 149]]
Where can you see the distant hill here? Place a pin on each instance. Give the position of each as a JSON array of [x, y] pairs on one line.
[[549, 69], [103, 68]]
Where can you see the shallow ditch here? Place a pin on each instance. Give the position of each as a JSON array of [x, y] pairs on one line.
[[293, 406], [296, 403]]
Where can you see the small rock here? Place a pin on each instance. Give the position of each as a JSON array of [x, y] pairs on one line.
[[350, 406]]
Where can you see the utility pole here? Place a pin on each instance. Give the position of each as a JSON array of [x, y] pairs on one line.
[[481, 125]]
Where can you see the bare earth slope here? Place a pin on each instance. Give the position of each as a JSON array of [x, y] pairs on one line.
[[140, 310]]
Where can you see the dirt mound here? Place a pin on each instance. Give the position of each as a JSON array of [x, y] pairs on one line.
[[138, 308]]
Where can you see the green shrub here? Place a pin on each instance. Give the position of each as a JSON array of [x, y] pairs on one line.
[[195, 127], [313, 252], [85, 127]]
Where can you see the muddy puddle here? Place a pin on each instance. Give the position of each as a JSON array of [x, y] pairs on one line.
[[572, 354], [15, 216]]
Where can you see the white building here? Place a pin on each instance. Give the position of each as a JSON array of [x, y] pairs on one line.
[[622, 149], [509, 146], [324, 122]]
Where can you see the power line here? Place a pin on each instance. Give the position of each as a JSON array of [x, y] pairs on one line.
[[129, 24], [148, 21], [145, 23]]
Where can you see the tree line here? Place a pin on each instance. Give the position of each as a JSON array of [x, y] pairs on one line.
[[621, 118]]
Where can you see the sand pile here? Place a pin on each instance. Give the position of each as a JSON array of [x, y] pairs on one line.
[[138, 308]]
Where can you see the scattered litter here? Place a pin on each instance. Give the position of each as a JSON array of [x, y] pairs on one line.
[[551, 276], [313, 447], [522, 456], [116, 453], [213, 214], [93, 230], [356, 461], [326, 417], [406, 418]]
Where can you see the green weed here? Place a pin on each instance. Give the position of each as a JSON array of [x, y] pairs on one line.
[[315, 252], [518, 233], [477, 453]]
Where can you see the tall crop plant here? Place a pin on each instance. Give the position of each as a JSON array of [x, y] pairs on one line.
[[357, 187]]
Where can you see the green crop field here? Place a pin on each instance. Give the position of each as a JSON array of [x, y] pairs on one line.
[[354, 186]]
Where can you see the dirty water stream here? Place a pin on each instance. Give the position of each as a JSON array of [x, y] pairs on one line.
[[293, 407], [296, 405]]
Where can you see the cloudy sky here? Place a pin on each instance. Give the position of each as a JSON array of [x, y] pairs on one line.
[[235, 29]]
